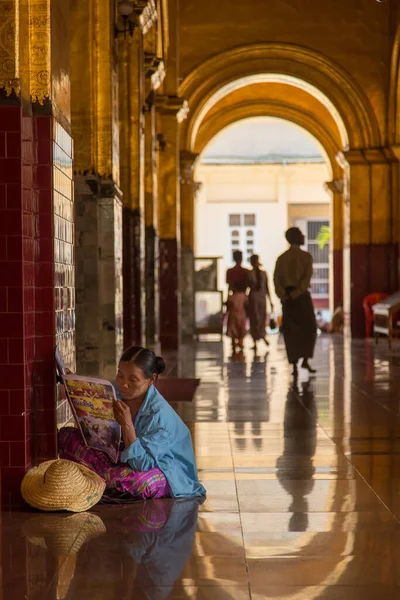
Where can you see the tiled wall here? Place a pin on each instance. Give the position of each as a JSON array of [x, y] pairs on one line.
[[18, 251], [54, 283], [31, 214], [43, 385], [64, 278]]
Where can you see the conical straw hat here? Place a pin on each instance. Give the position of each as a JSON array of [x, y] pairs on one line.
[[62, 485], [63, 535]]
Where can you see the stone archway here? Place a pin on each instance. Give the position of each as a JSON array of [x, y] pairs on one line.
[[394, 93], [367, 167], [220, 120], [294, 64], [328, 138], [351, 109]]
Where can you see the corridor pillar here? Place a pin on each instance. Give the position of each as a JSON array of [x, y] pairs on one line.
[[131, 125], [170, 111], [370, 239], [98, 197], [188, 189], [151, 233], [36, 235], [337, 239], [154, 69], [396, 203]]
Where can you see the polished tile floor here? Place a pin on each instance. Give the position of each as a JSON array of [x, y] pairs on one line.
[[303, 493]]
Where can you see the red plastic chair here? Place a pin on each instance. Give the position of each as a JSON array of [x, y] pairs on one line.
[[368, 302]]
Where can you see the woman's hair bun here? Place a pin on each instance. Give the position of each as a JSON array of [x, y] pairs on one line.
[[145, 359], [160, 365]]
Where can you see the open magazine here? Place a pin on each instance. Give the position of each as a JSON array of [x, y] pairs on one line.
[[91, 401]]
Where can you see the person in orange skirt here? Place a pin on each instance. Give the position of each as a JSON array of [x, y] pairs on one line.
[[237, 315]]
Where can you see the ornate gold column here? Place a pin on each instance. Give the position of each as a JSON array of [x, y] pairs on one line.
[[370, 239], [188, 188], [170, 111], [40, 50], [131, 122], [94, 89], [14, 50], [94, 83], [154, 70], [132, 119]]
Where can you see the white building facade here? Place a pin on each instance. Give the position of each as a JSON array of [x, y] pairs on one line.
[[248, 202]]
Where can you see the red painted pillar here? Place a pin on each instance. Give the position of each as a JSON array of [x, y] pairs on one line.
[[133, 277], [371, 246], [169, 223], [19, 249], [337, 278], [36, 288]]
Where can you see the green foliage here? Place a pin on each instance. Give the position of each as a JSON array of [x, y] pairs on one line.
[[324, 236]]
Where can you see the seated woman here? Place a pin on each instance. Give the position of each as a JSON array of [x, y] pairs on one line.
[[157, 459]]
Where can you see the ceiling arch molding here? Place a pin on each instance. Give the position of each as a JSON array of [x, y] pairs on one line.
[[225, 117], [295, 65], [394, 93]]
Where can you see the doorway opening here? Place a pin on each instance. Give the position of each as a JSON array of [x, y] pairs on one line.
[[258, 177]]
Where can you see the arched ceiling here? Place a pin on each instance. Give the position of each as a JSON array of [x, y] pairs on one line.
[[277, 100], [301, 69], [292, 84]]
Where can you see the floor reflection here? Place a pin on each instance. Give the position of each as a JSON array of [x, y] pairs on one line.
[[303, 493], [60, 538], [247, 398], [139, 550], [296, 475]]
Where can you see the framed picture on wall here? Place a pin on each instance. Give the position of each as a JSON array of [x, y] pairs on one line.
[[208, 313], [206, 274]]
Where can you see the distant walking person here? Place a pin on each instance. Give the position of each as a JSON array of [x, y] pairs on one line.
[[237, 274], [292, 278], [237, 316], [237, 280], [259, 291]]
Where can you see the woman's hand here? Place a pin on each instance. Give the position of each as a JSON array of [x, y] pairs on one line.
[[122, 414]]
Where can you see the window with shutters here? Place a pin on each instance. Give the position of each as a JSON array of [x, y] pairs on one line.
[[320, 280], [242, 235]]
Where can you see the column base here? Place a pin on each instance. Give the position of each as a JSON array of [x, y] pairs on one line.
[[373, 268], [187, 293], [133, 278], [337, 278], [99, 328], [151, 277], [169, 294]]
